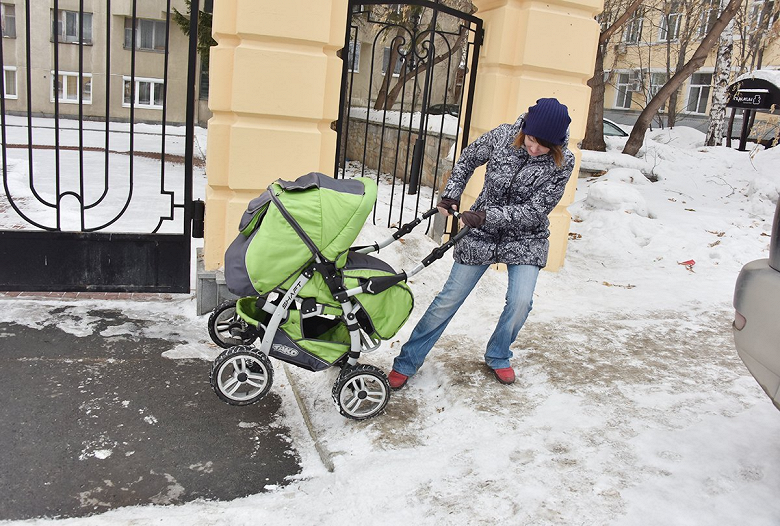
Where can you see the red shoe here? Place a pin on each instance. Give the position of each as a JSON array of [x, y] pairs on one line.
[[506, 375], [397, 380]]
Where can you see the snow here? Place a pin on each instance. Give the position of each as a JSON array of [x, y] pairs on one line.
[[445, 124], [631, 406], [770, 75]]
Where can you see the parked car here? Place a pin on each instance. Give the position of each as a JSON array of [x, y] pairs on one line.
[[756, 328], [611, 129], [440, 109]]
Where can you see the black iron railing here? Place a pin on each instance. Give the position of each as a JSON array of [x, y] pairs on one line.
[[437, 48]]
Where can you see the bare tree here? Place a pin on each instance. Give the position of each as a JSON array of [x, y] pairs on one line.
[[612, 18], [637, 136], [411, 39], [720, 83], [680, 23]]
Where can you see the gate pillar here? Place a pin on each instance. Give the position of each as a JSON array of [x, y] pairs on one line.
[[533, 50], [274, 91]]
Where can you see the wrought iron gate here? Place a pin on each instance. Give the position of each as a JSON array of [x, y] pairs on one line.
[[406, 94], [91, 199]]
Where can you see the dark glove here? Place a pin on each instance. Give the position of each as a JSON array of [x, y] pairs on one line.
[[474, 219], [447, 204]]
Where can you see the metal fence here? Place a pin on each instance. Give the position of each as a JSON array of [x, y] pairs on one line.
[[96, 200], [408, 84]]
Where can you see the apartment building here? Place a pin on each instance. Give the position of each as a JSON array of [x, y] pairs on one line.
[[643, 56], [122, 59]]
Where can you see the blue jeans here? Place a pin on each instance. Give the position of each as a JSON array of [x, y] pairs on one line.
[[462, 280]]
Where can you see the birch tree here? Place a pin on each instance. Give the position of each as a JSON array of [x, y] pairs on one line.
[[720, 82]]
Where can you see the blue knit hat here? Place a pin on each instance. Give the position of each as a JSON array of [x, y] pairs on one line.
[[547, 120]]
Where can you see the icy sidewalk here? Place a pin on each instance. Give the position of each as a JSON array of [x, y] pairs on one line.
[[101, 409]]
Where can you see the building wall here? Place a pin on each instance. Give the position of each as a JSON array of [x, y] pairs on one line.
[[648, 55], [149, 64]]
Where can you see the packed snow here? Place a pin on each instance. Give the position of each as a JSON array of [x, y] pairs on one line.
[[631, 405]]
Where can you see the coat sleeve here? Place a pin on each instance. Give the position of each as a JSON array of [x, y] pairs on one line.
[[475, 154], [531, 215]]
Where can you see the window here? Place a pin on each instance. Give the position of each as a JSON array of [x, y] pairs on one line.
[[708, 16], [148, 93], [633, 28], [670, 23], [759, 14], [67, 87], [353, 57], [9, 82], [657, 81], [699, 92], [66, 26], [203, 91], [8, 16], [386, 61], [149, 36], [624, 92]]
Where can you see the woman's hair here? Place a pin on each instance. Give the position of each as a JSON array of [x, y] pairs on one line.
[[556, 150]]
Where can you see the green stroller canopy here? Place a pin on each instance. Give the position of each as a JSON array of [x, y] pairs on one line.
[[271, 251]]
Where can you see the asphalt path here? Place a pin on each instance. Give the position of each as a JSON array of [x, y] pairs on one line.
[[91, 423]]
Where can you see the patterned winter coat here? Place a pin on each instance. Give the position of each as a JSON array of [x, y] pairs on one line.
[[518, 193]]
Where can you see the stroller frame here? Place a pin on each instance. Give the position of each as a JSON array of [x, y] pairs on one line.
[[243, 374]]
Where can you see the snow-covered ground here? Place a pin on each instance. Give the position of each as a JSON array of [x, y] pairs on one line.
[[631, 405], [134, 194]]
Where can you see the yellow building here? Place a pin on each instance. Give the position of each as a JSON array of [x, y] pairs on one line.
[[644, 54], [99, 42]]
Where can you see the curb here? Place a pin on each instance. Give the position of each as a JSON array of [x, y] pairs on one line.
[[325, 456], [132, 296]]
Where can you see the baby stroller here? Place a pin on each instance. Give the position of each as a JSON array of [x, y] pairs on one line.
[[308, 296]]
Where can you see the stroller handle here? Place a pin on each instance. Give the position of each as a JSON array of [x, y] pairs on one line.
[[398, 234], [376, 285]]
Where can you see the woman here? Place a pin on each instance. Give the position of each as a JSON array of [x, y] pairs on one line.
[[528, 166]]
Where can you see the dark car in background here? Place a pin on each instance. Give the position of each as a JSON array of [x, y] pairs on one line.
[[441, 109], [756, 324]]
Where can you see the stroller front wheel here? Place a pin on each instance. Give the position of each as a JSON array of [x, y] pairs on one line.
[[241, 375], [361, 392], [226, 327]]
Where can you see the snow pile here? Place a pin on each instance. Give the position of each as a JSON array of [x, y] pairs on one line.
[[445, 124], [770, 75], [614, 191]]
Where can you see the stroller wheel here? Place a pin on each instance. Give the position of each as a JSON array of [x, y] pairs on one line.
[[241, 375], [361, 392], [226, 327]]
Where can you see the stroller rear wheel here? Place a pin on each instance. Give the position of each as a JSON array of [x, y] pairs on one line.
[[361, 392], [226, 327], [241, 375]]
